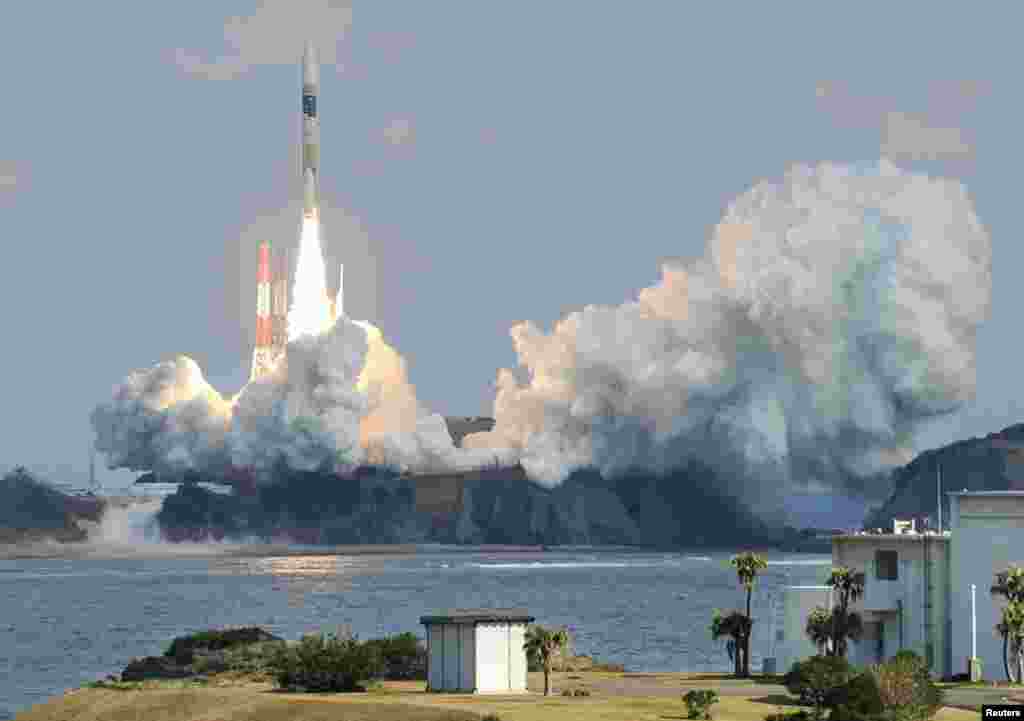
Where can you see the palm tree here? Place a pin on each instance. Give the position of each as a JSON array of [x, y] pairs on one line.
[[1011, 628], [849, 586], [545, 644], [1010, 585], [747, 566], [819, 628], [734, 626]]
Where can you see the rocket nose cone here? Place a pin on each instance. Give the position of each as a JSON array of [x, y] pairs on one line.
[[310, 65]]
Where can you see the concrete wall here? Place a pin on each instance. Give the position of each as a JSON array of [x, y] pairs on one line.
[[452, 657], [517, 657], [492, 671], [988, 536], [435, 657], [798, 602], [908, 613]]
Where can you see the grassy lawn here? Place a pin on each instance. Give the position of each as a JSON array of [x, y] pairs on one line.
[[394, 701]]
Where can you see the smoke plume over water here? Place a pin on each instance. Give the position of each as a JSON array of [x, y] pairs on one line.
[[834, 311]]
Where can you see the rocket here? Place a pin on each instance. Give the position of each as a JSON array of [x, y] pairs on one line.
[[263, 328], [262, 353], [310, 133]]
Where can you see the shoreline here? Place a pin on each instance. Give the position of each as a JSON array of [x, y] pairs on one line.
[[54, 549]]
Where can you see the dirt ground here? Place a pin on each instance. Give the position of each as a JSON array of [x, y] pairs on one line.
[[652, 684]]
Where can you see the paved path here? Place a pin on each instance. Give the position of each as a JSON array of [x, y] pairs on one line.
[[972, 697]]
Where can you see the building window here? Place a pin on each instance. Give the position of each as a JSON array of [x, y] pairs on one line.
[[887, 565]]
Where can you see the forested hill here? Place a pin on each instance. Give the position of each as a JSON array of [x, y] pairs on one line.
[[992, 463]]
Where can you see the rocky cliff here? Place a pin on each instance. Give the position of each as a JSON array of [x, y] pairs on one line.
[[489, 506]]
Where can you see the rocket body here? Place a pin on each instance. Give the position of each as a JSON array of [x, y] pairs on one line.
[[310, 132], [263, 327], [262, 353]]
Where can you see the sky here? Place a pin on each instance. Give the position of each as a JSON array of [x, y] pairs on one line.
[[482, 164]]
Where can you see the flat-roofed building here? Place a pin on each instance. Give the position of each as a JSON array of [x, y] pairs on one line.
[[988, 537], [905, 603], [917, 586]]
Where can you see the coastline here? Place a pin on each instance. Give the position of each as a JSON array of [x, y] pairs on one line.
[[48, 548]]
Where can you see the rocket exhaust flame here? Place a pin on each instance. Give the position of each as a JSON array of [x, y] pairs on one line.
[[310, 313]]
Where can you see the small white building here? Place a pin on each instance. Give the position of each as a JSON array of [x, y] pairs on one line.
[[477, 650]]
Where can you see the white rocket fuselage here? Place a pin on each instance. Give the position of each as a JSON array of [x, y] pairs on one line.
[[310, 133]]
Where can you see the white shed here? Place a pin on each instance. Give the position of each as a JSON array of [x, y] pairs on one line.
[[477, 650]]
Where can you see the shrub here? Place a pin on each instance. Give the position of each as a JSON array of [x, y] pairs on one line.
[[253, 658], [858, 700], [905, 686], [699, 702], [491, 717], [581, 692], [899, 690], [319, 663], [404, 657], [792, 716], [817, 680], [567, 692], [182, 648]]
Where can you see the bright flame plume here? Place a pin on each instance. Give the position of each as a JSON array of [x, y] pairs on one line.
[[310, 313]]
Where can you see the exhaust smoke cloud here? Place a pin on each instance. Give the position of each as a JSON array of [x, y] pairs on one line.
[[833, 312]]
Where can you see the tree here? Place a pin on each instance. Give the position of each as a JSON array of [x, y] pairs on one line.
[[747, 566], [849, 588], [735, 626], [1010, 585], [819, 628], [545, 644]]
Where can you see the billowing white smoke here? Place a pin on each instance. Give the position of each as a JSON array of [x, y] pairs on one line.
[[166, 419], [336, 400], [832, 313]]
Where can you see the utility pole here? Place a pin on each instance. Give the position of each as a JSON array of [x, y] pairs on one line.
[[973, 665]]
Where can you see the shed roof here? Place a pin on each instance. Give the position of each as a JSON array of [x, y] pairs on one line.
[[478, 615]]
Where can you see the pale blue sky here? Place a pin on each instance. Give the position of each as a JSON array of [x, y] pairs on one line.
[[483, 163]]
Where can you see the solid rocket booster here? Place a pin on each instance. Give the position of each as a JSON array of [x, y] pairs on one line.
[[310, 133], [264, 331], [262, 352]]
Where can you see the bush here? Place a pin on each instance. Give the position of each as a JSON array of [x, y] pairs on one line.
[[319, 663], [404, 657], [182, 648], [253, 658], [792, 716], [858, 700], [817, 680], [699, 702], [581, 692], [899, 690], [906, 688], [567, 692], [491, 717]]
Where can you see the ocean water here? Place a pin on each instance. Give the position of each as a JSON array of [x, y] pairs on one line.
[[64, 622]]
